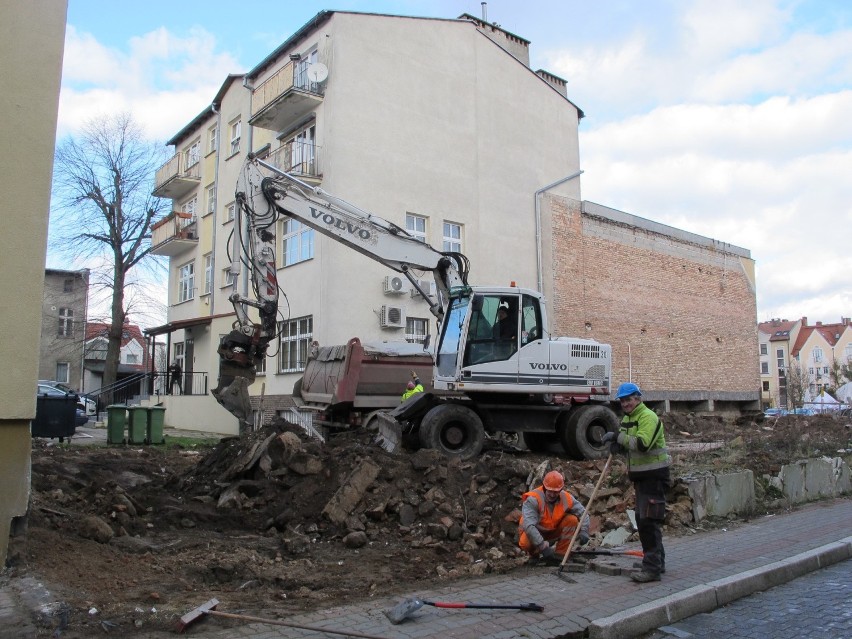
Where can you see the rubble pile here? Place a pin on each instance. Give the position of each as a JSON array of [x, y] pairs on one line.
[[275, 522]]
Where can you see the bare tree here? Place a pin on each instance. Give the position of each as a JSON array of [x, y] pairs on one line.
[[103, 208], [797, 384]]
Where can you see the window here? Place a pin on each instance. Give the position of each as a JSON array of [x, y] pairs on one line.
[[66, 323], [212, 139], [452, 237], [765, 387], [62, 372], [132, 358], [764, 368], [208, 273], [179, 357], [236, 128], [848, 351], [825, 370], [817, 353], [298, 242], [811, 370], [211, 199], [764, 349], [415, 329], [296, 337], [230, 212], [260, 369], [190, 207], [416, 226], [68, 286], [298, 154], [186, 282], [192, 154], [228, 278], [300, 71]]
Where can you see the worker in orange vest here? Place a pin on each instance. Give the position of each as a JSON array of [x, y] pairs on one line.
[[549, 517]]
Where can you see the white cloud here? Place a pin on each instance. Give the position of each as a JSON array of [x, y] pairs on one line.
[[164, 79]]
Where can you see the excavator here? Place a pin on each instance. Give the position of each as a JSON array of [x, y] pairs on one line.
[[497, 369]]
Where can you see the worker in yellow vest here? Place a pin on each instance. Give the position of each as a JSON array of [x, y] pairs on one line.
[[413, 387]]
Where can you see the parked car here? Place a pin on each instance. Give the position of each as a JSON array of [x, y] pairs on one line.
[[80, 418], [89, 405], [774, 412], [804, 411]]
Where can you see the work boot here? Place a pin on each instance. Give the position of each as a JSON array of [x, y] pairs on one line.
[[638, 566], [644, 577]]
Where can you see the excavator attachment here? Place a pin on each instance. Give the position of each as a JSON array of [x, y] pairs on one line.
[[236, 373]]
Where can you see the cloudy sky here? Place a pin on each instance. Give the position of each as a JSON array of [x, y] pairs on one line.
[[726, 118]]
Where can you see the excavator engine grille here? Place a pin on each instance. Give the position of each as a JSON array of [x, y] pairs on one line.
[[586, 350]]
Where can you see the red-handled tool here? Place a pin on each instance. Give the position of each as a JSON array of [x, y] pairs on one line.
[[402, 611]]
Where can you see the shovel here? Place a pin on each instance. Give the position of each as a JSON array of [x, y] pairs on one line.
[[402, 611], [580, 523], [608, 551]]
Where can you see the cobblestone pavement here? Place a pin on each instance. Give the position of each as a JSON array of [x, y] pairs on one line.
[[816, 605]]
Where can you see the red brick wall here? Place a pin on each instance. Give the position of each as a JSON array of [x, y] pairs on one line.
[[687, 311]]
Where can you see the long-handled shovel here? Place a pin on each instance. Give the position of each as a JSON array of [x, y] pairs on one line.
[[610, 551], [585, 514], [402, 611]]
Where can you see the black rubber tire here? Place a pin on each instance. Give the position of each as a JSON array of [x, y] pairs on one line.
[[540, 442], [453, 429], [581, 433]]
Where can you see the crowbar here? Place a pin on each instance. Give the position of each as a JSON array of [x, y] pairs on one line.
[[583, 517], [403, 610], [208, 608], [609, 551]]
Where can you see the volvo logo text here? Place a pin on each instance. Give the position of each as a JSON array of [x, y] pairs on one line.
[[339, 223], [538, 366]]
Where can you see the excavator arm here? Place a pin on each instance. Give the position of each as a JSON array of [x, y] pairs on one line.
[[264, 195]]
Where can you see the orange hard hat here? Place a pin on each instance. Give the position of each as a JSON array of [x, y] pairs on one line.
[[554, 480]]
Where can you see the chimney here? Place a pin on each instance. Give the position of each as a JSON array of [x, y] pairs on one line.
[[484, 11], [804, 321], [819, 323]]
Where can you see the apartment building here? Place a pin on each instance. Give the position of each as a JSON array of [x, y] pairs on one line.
[[63, 326], [818, 350], [437, 125]]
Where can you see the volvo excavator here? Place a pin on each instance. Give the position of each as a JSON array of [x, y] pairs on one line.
[[497, 369]]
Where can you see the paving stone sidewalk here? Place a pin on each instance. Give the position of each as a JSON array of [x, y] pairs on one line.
[[704, 571]]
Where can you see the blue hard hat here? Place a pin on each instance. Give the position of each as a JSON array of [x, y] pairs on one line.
[[627, 389]]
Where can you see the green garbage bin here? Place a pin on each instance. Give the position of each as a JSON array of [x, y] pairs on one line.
[[116, 421], [156, 418], [138, 428]]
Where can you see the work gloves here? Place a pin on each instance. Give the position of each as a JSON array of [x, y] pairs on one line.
[[584, 539], [548, 552], [609, 436]]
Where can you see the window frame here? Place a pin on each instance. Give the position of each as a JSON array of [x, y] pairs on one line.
[[450, 243], [208, 273], [412, 332], [186, 282], [210, 196], [212, 139], [65, 379], [302, 238], [235, 128], [66, 323], [416, 233], [192, 154], [295, 340]]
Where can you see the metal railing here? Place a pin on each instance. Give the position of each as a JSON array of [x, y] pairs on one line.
[[174, 167], [175, 224], [287, 77], [144, 385], [301, 158]]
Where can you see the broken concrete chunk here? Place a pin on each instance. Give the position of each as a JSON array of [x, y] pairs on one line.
[[344, 501]]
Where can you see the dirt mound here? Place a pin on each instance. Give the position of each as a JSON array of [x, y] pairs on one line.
[[275, 523]]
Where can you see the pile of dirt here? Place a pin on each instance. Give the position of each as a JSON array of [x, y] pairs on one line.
[[275, 523]]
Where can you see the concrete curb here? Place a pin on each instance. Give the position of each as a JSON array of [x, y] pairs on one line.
[[707, 597]]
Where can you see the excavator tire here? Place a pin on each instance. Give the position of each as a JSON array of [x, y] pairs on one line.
[[453, 429], [581, 433]]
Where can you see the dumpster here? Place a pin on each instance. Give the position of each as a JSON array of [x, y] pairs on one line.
[[56, 416], [156, 419], [138, 428], [116, 422]]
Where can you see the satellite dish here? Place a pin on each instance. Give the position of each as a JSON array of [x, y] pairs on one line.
[[317, 72]]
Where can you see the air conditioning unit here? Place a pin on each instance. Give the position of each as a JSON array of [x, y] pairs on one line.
[[392, 317], [394, 285], [426, 285]]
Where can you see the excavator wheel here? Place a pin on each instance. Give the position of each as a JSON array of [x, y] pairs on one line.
[[453, 429], [581, 433]]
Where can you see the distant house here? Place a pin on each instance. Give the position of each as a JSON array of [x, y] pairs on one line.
[[63, 317], [133, 354]]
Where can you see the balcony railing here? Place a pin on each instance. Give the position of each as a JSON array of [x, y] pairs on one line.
[[174, 234], [285, 96], [299, 158], [174, 180]]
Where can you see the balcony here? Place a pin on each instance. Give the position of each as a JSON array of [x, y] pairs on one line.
[[301, 159], [174, 180], [174, 234], [284, 98]]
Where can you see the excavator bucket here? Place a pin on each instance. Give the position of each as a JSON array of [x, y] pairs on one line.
[[232, 392], [389, 434]]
